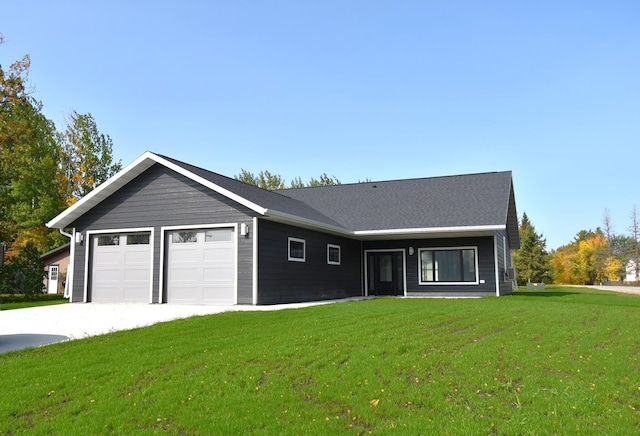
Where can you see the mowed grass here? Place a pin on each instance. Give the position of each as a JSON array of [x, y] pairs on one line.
[[9, 302], [560, 361]]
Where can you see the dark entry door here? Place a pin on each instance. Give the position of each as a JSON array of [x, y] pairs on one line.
[[385, 271]]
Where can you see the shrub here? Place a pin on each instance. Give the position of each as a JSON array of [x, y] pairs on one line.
[[23, 273]]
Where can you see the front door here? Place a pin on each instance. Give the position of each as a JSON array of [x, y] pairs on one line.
[[385, 272], [52, 287]]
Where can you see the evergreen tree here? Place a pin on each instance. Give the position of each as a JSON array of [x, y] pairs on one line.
[[531, 260]]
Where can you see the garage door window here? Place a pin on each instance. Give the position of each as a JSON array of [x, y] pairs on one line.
[[218, 235], [138, 239], [105, 240], [184, 237]]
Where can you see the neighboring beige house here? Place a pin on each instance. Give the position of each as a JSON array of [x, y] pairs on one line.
[[56, 262], [631, 271]]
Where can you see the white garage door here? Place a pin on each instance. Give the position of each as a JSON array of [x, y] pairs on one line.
[[200, 266], [121, 269]]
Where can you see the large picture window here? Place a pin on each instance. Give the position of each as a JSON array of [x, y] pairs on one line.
[[448, 265], [296, 250]]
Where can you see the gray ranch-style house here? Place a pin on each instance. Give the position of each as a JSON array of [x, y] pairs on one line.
[[164, 231]]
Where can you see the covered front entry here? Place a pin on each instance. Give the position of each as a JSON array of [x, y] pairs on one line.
[[201, 266], [385, 272], [121, 268]]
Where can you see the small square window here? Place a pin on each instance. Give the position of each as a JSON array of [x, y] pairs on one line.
[[296, 250], [333, 254]]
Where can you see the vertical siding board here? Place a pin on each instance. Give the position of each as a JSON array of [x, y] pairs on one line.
[[157, 198], [283, 281]]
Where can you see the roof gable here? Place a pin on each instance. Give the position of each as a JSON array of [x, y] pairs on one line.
[[480, 203]]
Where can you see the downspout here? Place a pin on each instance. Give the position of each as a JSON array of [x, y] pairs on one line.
[[69, 279]]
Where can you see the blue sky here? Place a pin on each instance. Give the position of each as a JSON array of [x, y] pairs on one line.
[[359, 89]]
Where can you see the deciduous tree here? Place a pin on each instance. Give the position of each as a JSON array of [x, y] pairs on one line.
[[28, 163], [86, 157]]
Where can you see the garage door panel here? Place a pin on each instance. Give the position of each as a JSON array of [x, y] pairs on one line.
[[109, 256], [141, 257], [216, 254], [137, 274], [222, 274], [180, 255], [120, 272], [201, 272]]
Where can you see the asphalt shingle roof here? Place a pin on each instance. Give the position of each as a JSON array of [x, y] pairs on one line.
[[456, 204], [468, 200], [452, 201]]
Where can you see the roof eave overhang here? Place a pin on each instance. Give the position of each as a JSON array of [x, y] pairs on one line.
[[127, 174], [429, 232], [285, 218], [385, 234]]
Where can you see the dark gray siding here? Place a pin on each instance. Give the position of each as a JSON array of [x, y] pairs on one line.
[[283, 281], [161, 197], [486, 265]]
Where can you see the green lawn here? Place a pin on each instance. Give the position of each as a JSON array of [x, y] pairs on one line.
[[560, 361], [8, 302]]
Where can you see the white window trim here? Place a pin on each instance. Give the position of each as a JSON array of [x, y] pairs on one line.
[[422, 283], [304, 249], [329, 247]]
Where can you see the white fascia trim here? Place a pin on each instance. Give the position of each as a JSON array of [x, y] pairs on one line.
[[286, 218], [87, 202], [127, 174], [432, 230]]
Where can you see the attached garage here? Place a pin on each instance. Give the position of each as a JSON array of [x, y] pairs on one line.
[[201, 266], [121, 267]]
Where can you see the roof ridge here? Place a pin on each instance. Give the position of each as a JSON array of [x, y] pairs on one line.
[[407, 179]]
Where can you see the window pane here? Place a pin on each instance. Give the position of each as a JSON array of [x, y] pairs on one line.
[[218, 235], [469, 261], [427, 266], [448, 266], [333, 254], [108, 240], [138, 239], [386, 268], [296, 249], [184, 237]]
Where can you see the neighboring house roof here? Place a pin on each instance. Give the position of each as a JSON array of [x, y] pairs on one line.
[[65, 247], [474, 204]]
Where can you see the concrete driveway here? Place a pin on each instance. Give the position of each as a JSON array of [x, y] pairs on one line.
[[32, 327]]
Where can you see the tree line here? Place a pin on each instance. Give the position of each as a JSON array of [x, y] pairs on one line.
[[267, 180], [43, 170], [598, 256]]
